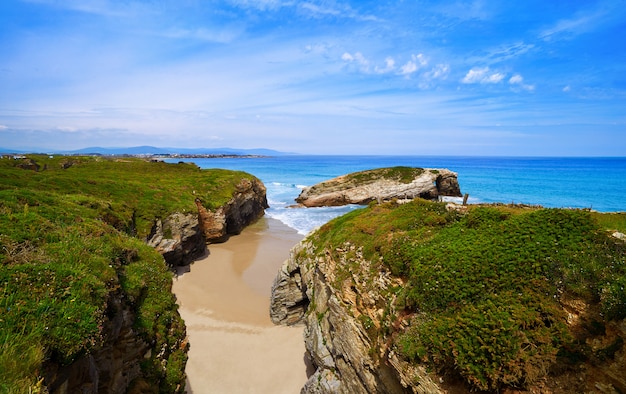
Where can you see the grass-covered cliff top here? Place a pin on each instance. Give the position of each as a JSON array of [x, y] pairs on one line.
[[486, 290], [399, 174], [71, 236]]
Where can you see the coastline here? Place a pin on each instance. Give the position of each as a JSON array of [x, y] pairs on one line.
[[224, 300]]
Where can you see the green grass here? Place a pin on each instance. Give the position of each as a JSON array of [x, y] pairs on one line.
[[399, 174], [485, 287], [70, 238]]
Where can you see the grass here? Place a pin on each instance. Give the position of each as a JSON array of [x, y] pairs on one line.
[[400, 174], [70, 239], [485, 288]]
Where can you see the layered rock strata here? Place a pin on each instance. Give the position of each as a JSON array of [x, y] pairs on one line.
[[182, 238], [381, 184], [348, 307], [337, 319]]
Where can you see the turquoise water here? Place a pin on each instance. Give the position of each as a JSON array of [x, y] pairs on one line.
[[596, 183]]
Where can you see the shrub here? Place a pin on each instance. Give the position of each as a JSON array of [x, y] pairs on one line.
[[486, 285]]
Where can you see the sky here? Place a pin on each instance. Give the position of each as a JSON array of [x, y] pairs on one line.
[[405, 77]]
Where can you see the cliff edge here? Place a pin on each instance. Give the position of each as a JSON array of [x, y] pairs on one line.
[[86, 250], [425, 298], [182, 237], [381, 184]]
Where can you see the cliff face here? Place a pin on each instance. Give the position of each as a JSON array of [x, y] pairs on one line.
[[246, 206], [179, 238], [182, 238], [381, 184], [338, 313], [355, 312], [111, 368], [89, 307]]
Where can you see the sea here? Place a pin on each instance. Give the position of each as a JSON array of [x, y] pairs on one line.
[[597, 183]]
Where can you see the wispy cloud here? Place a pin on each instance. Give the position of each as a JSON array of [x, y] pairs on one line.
[[287, 73], [417, 62], [222, 35], [598, 16], [97, 7], [517, 81], [482, 75]]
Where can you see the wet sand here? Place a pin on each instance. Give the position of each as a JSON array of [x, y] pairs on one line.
[[224, 299]]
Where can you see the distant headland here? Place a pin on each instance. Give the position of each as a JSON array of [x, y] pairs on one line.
[[151, 151]]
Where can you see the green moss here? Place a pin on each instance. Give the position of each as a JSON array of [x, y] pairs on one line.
[[70, 238], [488, 284]]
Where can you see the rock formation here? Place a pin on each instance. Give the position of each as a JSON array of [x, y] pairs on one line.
[[181, 238], [247, 205], [382, 185], [336, 324], [350, 311]]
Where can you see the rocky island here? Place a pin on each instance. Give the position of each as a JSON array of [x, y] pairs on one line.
[[381, 184], [86, 248], [423, 297]]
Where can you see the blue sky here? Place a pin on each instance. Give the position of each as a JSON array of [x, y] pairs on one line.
[[544, 78]]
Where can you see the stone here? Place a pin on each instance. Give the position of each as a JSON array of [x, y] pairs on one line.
[[382, 184], [338, 344], [182, 238]]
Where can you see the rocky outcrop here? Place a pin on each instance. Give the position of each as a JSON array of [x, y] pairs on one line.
[[246, 206], [349, 308], [182, 238], [381, 184], [339, 314], [178, 238]]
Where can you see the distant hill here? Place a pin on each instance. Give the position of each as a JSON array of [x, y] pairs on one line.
[[151, 150]]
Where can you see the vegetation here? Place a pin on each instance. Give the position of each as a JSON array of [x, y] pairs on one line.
[[486, 288], [400, 174], [70, 239]]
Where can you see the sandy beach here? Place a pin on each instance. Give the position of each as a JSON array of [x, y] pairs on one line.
[[224, 299]]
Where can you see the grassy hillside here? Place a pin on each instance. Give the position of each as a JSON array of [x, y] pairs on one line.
[[486, 290], [71, 231]]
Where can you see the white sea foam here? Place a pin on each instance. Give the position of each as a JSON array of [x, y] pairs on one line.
[[304, 220]]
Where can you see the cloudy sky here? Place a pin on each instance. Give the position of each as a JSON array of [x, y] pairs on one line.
[[448, 77]]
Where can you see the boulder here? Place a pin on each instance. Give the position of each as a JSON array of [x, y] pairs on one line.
[[381, 184]]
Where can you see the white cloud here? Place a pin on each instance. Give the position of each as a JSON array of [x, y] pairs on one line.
[[482, 75], [262, 5], [440, 71], [475, 75], [221, 36], [357, 58], [390, 65], [494, 78], [97, 7], [567, 88], [316, 10], [3, 127], [417, 61], [598, 16], [518, 81]]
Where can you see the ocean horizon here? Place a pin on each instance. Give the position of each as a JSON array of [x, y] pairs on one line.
[[597, 183]]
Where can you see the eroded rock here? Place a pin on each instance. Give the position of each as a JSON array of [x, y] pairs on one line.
[[381, 185], [182, 238], [337, 322]]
